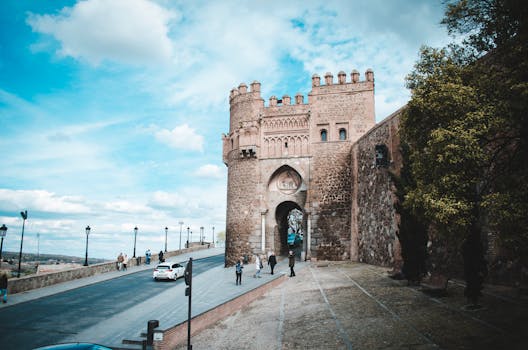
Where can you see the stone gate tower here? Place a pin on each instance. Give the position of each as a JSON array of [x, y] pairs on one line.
[[294, 155]]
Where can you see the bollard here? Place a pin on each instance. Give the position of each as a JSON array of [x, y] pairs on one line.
[[151, 325]]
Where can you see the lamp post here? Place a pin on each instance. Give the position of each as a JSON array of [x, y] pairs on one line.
[[3, 231], [135, 236], [202, 235], [38, 246], [181, 224], [166, 230], [213, 236], [24, 218], [187, 246], [86, 255]]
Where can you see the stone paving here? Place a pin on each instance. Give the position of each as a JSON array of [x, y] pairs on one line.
[[356, 306]]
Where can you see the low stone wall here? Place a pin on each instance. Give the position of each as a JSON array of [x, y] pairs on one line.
[[22, 284], [178, 334]]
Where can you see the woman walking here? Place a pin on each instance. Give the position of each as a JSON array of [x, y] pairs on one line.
[[125, 262], [258, 266], [272, 261], [291, 263]]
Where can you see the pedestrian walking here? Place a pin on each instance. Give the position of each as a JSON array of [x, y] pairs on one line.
[[291, 263], [3, 286], [258, 266], [272, 261], [238, 270], [119, 261], [160, 256], [125, 262], [147, 257]]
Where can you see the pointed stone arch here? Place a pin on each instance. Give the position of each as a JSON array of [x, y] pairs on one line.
[[286, 180]]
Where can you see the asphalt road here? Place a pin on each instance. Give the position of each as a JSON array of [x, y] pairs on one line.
[[60, 317]]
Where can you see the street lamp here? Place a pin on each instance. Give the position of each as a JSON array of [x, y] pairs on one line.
[[166, 230], [213, 236], [201, 235], [187, 237], [38, 246], [86, 256], [135, 236], [24, 218], [3, 231], [181, 223]]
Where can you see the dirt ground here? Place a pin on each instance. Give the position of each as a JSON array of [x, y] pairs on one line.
[[356, 306]]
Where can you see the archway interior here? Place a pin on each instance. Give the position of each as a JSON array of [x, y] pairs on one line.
[[289, 217]]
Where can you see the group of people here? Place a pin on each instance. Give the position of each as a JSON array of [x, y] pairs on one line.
[[122, 262], [122, 259], [272, 261]]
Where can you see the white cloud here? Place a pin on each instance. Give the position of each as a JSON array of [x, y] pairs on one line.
[[43, 201], [181, 137], [129, 31], [128, 207], [167, 200], [210, 171]]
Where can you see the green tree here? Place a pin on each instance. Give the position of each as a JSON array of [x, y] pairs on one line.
[[495, 47], [466, 127]]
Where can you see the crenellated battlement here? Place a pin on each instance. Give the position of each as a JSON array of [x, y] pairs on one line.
[[241, 94], [242, 91], [341, 78]]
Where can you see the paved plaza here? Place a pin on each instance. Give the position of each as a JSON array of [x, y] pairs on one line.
[[331, 305], [356, 306]]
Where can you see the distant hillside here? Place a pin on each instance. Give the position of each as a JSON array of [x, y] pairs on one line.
[[48, 258]]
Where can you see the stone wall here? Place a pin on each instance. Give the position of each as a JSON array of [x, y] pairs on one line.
[[331, 201], [22, 284], [375, 219]]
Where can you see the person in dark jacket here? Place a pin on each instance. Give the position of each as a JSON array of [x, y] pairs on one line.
[[238, 270], [272, 261], [160, 256], [3, 286], [291, 263]]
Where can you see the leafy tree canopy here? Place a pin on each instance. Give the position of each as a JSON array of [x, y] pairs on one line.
[[466, 124]]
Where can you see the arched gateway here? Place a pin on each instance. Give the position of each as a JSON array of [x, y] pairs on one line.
[[286, 195], [289, 168]]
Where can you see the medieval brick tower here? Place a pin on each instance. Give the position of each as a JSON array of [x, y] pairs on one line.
[[287, 156]]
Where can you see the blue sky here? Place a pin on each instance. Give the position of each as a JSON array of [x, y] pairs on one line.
[[111, 112]]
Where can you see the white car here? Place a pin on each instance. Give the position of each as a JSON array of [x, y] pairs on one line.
[[168, 270]]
